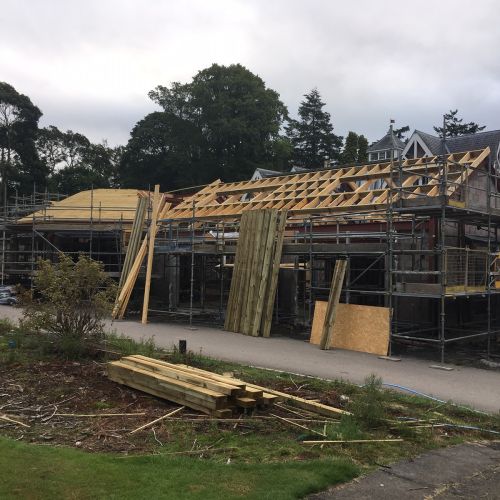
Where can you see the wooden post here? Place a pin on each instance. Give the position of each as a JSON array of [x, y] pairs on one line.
[[333, 300], [151, 247]]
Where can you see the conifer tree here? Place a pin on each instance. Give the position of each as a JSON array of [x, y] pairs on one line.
[[454, 126], [355, 149], [312, 136]]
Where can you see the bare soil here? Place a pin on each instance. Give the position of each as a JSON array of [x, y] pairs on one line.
[[39, 392]]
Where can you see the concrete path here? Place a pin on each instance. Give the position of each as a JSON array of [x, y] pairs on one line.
[[464, 385], [467, 471]]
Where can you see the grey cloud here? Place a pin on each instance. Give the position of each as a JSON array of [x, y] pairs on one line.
[[89, 66]]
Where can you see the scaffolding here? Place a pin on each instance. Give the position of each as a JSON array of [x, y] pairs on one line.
[[31, 231], [423, 257], [421, 238]]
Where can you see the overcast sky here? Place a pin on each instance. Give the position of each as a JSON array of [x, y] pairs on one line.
[[88, 65]]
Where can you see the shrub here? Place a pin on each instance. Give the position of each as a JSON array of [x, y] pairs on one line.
[[68, 304], [369, 407], [6, 326]]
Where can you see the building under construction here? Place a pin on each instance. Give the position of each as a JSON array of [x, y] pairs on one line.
[[419, 238]]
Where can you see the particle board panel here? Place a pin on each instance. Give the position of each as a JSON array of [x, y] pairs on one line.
[[357, 327]]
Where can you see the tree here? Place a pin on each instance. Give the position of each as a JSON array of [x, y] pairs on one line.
[[362, 149], [68, 304], [400, 133], [312, 135], [355, 149], [224, 123], [455, 127], [19, 163], [74, 162], [163, 149]]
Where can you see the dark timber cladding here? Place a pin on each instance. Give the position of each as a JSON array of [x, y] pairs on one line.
[[255, 274]]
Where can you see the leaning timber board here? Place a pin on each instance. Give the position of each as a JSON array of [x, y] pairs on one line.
[[356, 328]]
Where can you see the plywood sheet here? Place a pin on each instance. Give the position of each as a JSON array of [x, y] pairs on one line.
[[356, 328]]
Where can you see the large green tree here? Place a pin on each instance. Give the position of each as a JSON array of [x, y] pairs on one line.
[[76, 164], [455, 126], [20, 167], [164, 149], [222, 124], [312, 134], [355, 149]]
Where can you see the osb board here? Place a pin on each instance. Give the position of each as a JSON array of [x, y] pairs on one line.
[[356, 328], [103, 205]]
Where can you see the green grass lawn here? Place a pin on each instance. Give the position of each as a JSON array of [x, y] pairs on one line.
[[43, 472]]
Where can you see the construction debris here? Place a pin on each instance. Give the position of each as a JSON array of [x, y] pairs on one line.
[[202, 390]]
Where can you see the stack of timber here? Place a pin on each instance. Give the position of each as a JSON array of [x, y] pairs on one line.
[[135, 238], [160, 208], [255, 273], [200, 390]]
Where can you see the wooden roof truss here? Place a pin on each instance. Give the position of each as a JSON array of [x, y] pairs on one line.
[[350, 189]]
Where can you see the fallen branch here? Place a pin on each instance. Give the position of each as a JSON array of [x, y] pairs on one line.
[[357, 441], [291, 422], [157, 420], [4, 417]]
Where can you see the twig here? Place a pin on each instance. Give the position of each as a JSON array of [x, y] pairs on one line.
[[291, 422], [46, 419], [357, 441], [236, 424], [91, 415], [156, 439], [3, 417], [157, 420], [284, 407]]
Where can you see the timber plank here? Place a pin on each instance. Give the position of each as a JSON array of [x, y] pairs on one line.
[[190, 378], [243, 288], [159, 394], [267, 316], [151, 248], [333, 301], [205, 373], [265, 270], [256, 270], [312, 406], [175, 385]]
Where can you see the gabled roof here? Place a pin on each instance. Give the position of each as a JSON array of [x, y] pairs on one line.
[[480, 140], [264, 172], [431, 141], [460, 143], [389, 141]]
